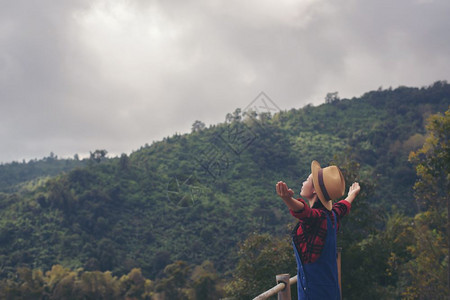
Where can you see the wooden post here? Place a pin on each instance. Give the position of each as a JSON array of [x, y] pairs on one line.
[[284, 294], [339, 250], [279, 287]]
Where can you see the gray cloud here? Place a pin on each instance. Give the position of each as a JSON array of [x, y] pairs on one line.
[[75, 77]]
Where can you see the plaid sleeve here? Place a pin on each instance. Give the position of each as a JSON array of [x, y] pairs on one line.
[[342, 208], [306, 212]]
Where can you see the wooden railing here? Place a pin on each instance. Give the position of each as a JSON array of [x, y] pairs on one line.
[[283, 287]]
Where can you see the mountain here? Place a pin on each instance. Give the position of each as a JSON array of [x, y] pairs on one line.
[[14, 175], [194, 197]]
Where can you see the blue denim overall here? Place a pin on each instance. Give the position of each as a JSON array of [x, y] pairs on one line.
[[319, 280]]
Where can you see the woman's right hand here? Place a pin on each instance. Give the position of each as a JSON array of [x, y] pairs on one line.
[[283, 191]]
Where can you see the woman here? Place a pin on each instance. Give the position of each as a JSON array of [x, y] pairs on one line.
[[314, 237]]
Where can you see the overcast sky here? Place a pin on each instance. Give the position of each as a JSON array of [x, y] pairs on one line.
[[76, 76]]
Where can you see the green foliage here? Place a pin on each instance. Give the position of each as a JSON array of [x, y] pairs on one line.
[[206, 283], [61, 283], [433, 163], [425, 273], [180, 281], [195, 197], [428, 273], [261, 257], [15, 176], [371, 266], [172, 285]]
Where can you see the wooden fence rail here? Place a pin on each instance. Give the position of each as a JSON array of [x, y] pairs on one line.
[[283, 288]]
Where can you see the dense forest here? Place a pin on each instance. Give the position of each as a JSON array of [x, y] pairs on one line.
[[196, 216]]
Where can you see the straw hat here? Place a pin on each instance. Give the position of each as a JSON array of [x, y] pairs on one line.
[[328, 183]]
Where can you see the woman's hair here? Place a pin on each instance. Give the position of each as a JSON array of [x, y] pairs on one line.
[[318, 204]]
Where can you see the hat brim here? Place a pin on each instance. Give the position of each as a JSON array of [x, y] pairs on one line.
[[315, 167]]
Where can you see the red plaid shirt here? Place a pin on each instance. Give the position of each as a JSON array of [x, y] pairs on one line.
[[311, 231]]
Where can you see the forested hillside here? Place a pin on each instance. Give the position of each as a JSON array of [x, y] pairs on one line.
[[14, 174], [184, 206]]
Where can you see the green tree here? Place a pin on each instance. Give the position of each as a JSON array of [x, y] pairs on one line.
[[432, 192], [31, 286], [173, 286], [205, 281], [425, 274], [124, 162], [98, 155], [98, 285], [198, 126], [60, 283], [261, 258], [332, 97], [432, 163], [136, 286]]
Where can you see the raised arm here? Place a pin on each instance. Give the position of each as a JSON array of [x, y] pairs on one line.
[[286, 194], [353, 192]]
